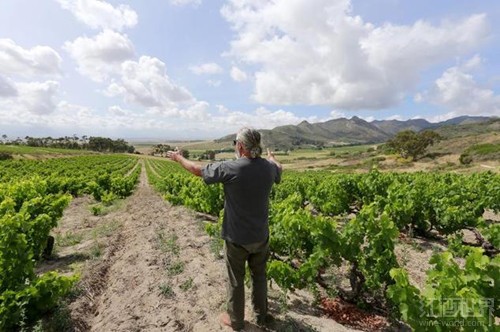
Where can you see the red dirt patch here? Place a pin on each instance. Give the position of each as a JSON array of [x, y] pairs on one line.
[[348, 314]]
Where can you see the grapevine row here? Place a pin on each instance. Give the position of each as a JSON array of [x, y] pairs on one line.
[[33, 196]]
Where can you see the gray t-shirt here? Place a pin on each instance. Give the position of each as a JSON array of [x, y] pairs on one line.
[[247, 185]]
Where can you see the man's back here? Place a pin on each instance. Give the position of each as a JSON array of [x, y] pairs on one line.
[[247, 185]]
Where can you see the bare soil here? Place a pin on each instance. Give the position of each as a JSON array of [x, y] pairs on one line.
[[148, 266]]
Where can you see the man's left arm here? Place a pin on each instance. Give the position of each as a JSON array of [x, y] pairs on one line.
[[272, 158], [189, 165]]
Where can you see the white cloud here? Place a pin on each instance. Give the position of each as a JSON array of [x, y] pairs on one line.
[[34, 98], [185, 2], [457, 91], [214, 83], [84, 119], [196, 113], [68, 118], [38, 98], [221, 109], [206, 68], [70, 111], [261, 118], [315, 52], [442, 117], [193, 121], [100, 14], [395, 117], [7, 88], [102, 55], [367, 118], [238, 75], [337, 114], [147, 84], [117, 110], [16, 60], [473, 63]]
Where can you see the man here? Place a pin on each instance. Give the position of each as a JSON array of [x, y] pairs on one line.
[[247, 184]]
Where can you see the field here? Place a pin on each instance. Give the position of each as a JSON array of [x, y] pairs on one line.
[[28, 152], [443, 156], [137, 247]]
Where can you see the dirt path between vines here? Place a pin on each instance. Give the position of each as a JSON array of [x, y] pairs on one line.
[[149, 266]]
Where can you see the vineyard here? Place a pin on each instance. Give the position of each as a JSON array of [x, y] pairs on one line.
[[33, 195], [320, 223]]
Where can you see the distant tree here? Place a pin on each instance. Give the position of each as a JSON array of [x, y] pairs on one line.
[[411, 144], [101, 144], [104, 144], [5, 155], [465, 158], [84, 141], [209, 155], [161, 149], [185, 153]]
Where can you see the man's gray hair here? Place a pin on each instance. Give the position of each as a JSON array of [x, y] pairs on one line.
[[250, 138]]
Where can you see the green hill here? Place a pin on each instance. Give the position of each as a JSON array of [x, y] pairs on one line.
[[353, 131]]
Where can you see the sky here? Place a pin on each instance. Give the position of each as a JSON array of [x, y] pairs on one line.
[[200, 69]]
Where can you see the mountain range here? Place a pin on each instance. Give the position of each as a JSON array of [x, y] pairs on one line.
[[355, 130]]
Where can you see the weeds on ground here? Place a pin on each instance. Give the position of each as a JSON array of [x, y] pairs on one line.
[[405, 254], [68, 239], [58, 320], [95, 250], [97, 209], [166, 290], [168, 243], [175, 268], [106, 229], [283, 302], [316, 295], [103, 208], [216, 246], [187, 285], [416, 246]]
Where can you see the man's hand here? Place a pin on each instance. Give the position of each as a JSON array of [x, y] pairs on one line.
[[174, 155], [270, 155], [271, 158]]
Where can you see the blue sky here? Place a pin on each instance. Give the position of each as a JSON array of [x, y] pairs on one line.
[[199, 69]]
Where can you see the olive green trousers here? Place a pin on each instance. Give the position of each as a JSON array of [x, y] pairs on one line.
[[236, 257]]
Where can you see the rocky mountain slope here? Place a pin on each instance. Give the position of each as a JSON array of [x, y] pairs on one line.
[[358, 131]]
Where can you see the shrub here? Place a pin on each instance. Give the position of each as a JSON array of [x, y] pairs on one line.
[[5, 156], [465, 158]]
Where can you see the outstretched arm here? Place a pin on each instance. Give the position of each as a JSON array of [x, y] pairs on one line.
[[187, 164], [272, 158]]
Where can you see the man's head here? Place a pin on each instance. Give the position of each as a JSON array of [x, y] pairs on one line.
[[249, 140]]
